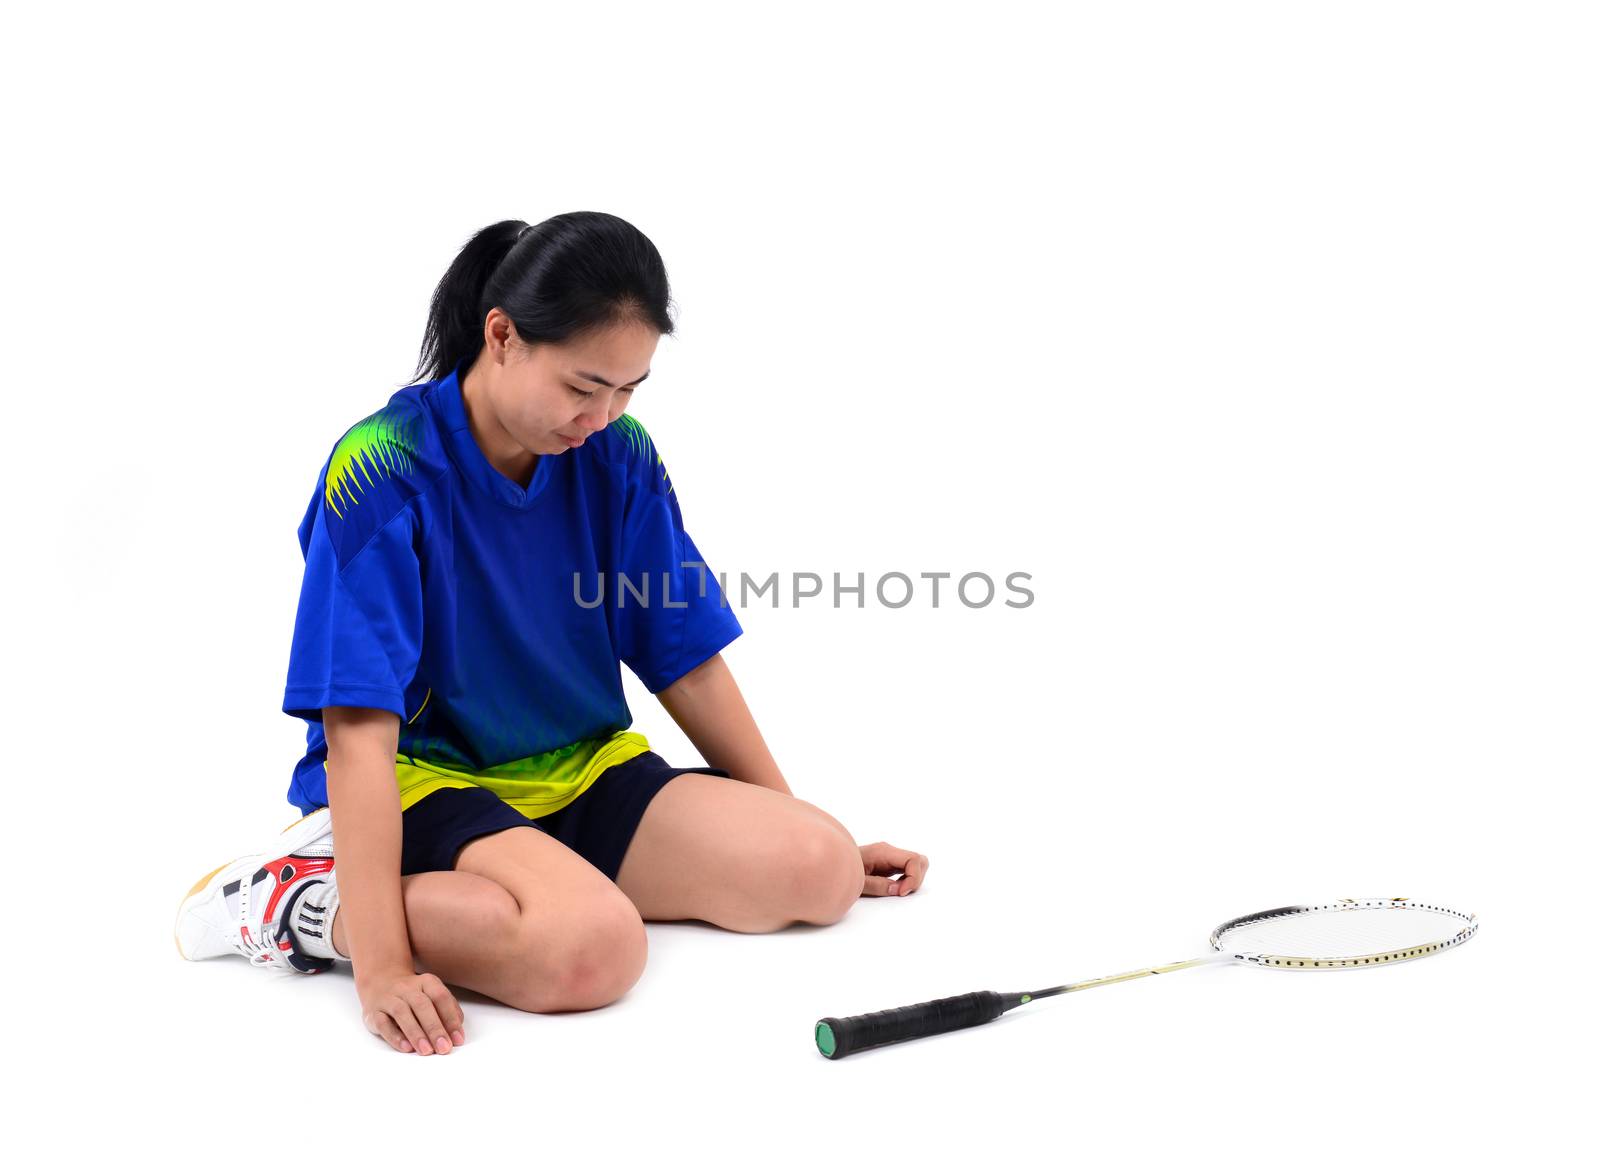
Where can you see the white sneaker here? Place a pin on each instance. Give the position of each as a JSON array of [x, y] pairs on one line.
[[243, 907]]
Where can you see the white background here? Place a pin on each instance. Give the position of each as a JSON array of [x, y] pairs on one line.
[[1262, 335]]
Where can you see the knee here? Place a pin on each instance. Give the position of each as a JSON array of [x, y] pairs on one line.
[[828, 869], [579, 962], [604, 959]]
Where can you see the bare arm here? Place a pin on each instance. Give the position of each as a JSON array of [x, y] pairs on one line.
[[365, 806], [707, 705], [414, 1013]]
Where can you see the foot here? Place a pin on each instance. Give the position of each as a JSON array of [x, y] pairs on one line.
[[243, 907]]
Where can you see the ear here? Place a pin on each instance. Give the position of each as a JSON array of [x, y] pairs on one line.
[[498, 333]]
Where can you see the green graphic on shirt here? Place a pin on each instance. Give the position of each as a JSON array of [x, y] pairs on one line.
[[380, 444], [638, 440]]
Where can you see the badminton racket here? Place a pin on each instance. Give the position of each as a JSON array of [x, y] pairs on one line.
[[1352, 932]]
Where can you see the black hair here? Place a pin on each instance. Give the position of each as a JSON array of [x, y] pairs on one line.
[[572, 273]]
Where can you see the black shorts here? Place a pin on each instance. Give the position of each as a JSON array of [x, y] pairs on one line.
[[598, 826]]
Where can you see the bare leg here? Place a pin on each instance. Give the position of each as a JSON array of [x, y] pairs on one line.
[[452, 918], [525, 921], [739, 856]]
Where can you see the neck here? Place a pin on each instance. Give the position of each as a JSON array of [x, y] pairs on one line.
[[503, 452]]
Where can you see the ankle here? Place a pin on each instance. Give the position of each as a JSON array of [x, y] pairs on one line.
[[336, 936], [311, 917]]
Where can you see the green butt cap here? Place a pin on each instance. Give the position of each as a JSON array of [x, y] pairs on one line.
[[825, 1041]]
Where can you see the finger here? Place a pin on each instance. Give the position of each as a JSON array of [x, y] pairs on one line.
[[916, 870], [878, 863], [449, 1010], [878, 887], [454, 1018], [383, 1026], [888, 857], [428, 1017], [905, 858], [390, 1031], [402, 1015]]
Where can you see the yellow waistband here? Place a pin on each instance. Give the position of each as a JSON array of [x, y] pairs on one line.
[[534, 786]]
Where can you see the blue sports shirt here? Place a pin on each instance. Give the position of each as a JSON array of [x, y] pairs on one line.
[[437, 588]]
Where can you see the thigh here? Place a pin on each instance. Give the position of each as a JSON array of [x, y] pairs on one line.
[[549, 881], [728, 852], [600, 824], [445, 829], [436, 828], [577, 942], [474, 831]]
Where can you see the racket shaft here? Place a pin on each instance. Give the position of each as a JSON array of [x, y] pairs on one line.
[[1107, 980], [854, 1033]]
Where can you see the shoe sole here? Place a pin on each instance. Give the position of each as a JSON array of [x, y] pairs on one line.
[[297, 835]]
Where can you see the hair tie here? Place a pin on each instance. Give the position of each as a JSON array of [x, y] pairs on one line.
[[525, 228]]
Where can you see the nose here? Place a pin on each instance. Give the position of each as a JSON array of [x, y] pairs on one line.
[[591, 421]]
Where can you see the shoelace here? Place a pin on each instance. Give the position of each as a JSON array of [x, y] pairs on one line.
[[263, 945]]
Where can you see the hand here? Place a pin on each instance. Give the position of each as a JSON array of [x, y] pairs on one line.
[[414, 1013], [883, 861]]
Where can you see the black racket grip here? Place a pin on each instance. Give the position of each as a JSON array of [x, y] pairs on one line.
[[838, 1037]]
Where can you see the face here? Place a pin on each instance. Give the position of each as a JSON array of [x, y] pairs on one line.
[[547, 399]]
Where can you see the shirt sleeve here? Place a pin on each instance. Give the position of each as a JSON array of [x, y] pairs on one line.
[[358, 628], [675, 616]]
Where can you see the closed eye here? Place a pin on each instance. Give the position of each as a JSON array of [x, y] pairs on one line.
[[581, 393]]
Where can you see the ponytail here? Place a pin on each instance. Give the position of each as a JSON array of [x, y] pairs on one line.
[[570, 274]]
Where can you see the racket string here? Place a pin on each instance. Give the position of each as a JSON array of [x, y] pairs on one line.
[[1342, 931]]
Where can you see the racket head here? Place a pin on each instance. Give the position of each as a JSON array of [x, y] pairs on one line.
[[1350, 932]]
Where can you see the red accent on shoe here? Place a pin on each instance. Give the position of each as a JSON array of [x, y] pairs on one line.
[[303, 867]]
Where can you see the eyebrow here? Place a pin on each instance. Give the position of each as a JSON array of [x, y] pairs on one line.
[[588, 377]]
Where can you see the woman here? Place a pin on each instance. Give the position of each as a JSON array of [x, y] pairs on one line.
[[481, 555]]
